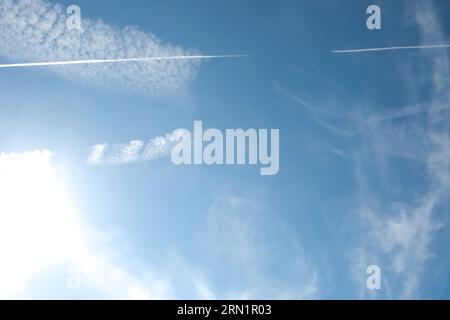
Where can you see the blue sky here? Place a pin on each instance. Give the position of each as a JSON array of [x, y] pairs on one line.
[[364, 151]]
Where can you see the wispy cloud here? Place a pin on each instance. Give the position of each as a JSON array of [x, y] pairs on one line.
[[398, 236], [321, 116], [241, 241], [313, 109], [35, 31], [133, 151], [402, 236]]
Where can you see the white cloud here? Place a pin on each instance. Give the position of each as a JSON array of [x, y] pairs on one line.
[[403, 236], [40, 229], [35, 31], [133, 151]]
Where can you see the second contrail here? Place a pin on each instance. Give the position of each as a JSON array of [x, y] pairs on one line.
[[392, 48], [98, 61]]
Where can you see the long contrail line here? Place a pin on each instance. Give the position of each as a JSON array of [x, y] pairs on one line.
[[75, 62], [391, 48]]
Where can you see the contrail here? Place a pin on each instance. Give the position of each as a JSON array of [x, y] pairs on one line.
[[392, 48], [74, 62]]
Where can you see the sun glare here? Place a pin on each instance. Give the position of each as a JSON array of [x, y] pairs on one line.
[[38, 226]]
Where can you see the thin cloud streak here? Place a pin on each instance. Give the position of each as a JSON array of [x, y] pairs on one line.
[[75, 62], [437, 46]]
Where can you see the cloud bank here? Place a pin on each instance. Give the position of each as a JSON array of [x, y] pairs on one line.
[[36, 31]]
